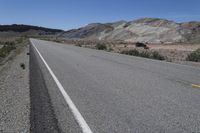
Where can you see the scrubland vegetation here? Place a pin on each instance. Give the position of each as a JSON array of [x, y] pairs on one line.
[[194, 56], [101, 46], [9, 45], [171, 53], [145, 54], [7, 48]]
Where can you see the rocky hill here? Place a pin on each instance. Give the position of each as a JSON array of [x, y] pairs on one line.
[[151, 30]]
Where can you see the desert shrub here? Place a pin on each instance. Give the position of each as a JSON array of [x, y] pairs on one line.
[[110, 49], [79, 45], [156, 55], [7, 48], [145, 54], [58, 41], [194, 56], [101, 46], [133, 52], [124, 52], [19, 40]]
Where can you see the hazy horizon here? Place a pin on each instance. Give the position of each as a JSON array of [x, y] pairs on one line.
[[96, 22]]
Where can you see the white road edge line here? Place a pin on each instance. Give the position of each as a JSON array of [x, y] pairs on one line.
[[79, 118]]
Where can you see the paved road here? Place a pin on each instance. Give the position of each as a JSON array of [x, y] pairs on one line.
[[122, 94], [42, 116]]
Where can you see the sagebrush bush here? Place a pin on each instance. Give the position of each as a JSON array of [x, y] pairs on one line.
[[110, 49], [79, 45], [7, 48], [101, 46], [133, 52], [156, 55], [19, 40], [194, 56], [145, 54]]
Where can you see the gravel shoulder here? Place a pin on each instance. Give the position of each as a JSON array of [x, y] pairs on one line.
[[14, 95]]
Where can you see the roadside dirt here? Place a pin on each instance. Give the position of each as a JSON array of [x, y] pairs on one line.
[[14, 95], [176, 53]]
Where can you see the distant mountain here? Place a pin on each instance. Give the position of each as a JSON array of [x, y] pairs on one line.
[[151, 30], [25, 28]]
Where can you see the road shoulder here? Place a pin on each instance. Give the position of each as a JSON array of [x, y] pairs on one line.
[[14, 95]]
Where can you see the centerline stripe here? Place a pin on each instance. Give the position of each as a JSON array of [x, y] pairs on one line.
[[196, 85]]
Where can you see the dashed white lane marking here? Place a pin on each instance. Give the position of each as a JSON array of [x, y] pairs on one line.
[[79, 118]]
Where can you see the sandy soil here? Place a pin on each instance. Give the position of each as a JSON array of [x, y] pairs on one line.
[[176, 47]]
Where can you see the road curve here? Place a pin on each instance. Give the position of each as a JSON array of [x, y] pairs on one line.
[[122, 94]]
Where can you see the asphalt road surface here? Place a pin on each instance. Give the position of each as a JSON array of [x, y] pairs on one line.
[[121, 94]]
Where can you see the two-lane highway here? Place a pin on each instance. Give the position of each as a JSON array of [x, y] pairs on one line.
[[122, 94]]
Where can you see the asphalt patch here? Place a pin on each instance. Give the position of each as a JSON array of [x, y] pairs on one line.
[[42, 117]]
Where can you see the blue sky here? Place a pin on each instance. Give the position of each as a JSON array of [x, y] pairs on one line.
[[68, 14]]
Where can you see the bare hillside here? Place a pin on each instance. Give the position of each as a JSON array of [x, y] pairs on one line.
[[151, 30]]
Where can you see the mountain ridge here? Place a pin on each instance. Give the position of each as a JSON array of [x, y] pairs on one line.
[[24, 28], [151, 30]]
